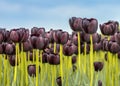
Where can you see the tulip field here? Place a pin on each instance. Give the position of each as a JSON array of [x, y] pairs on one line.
[[86, 57]]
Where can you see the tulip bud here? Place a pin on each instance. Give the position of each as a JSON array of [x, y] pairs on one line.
[[12, 59], [27, 46], [53, 59], [31, 70], [9, 49], [114, 47], [99, 83]]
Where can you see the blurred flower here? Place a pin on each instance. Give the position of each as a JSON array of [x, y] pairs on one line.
[[12, 59], [74, 58], [27, 46], [117, 37], [114, 47], [98, 66], [59, 81], [109, 28], [9, 49], [96, 46]]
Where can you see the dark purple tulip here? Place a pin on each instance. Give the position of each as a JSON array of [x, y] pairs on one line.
[[19, 35], [2, 35], [31, 70], [90, 25], [33, 40], [105, 45], [99, 83], [75, 24], [27, 46], [95, 38], [44, 57], [53, 59], [60, 36], [96, 46], [12, 59], [9, 49], [49, 35], [74, 58], [109, 28], [68, 49], [1, 48], [114, 47], [117, 37], [35, 31], [42, 43], [98, 66], [59, 81]]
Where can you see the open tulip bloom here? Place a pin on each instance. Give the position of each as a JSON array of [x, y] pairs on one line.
[[57, 58]]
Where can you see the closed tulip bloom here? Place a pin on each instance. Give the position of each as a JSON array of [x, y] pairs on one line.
[[19, 35], [97, 46], [31, 70], [60, 36], [2, 35], [114, 47], [35, 31], [90, 25], [74, 58], [9, 49], [53, 59], [33, 40], [49, 35], [117, 37], [42, 43], [44, 57], [109, 28], [75, 24], [98, 66], [12, 59], [68, 49], [27, 46], [99, 83]]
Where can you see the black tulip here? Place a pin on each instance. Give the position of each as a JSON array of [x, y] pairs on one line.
[[9, 49], [74, 59], [90, 25], [99, 83], [27, 46], [98, 66], [53, 59], [35, 31], [114, 47], [117, 37], [12, 59], [31, 70], [75, 24], [109, 28]]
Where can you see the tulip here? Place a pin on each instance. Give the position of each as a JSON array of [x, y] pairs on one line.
[[60, 36], [109, 28], [12, 59], [53, 59], [44, 57], [114, 47], [1, 48], [19, 35], [76, 24], [68, 49], [74, 58], [97, 46], [33, 40], [98, 66], [90, 25], [31, 70], [41, 43], [27, 46], [9, 49], [117, 37], [35, 31]]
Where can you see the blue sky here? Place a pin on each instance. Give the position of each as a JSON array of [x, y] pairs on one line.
[[55, 13]]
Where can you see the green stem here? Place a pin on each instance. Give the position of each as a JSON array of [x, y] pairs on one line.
[[37, 66], [61, 71], [91, 61]]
